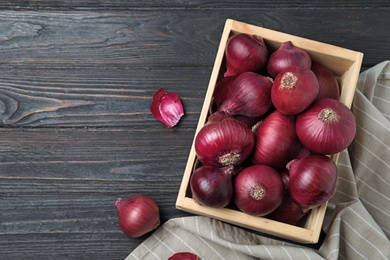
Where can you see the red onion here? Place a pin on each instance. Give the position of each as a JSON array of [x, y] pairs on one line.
[[249, 95], [288, 212], [212, 186], [258, 190], [183, 256], [276, 142], [245, 53], [294, 89], [304, 152], [285, 56], [326, 127], [329, 87], [224, 141], [137, 215], [222, 88], [248, 120], [312, 180], [285, 177]]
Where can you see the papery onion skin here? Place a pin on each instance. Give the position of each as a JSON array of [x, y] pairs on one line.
[[258, 190], [245, 53], [276, 142], [294, 89], [285, 56], [212, 186], [312, 180], [183, 256], [249, 95], [137, 215], [224, 142], [167, 107], [326, 127], [328, 84]]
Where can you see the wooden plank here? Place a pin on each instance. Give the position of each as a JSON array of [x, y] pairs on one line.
[[121, 4], [58, 187], [174, 37], [80, 97]]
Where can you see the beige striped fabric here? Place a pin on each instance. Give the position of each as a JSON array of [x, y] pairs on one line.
[[357, 222]]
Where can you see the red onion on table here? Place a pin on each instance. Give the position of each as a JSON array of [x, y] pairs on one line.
[[285, 56], [183, 256], [312, 180], [294, 89], [167, 107], [276, 142], [223, 141], [258, 190], [326, 127], [249, 95], [245, 53], [212, 186], [137, 215], [328, 85]]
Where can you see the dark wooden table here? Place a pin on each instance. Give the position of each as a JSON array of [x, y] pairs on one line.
[[76, 81]]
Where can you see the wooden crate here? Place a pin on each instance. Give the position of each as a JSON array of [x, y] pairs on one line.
[[344, 63]]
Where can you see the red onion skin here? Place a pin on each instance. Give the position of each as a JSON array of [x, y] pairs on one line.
[[183, 256], [312, 180], [326, 135], [167, 107], [304, 152], [216, 117], [245, 53], [276, 142], [248, 120], [224, 142], [137, 215], [328, 85], [222, 88], [249, 95], [294, 89], [270, 193], [285, 177], [288, 212], [285, 56], [212, 186]]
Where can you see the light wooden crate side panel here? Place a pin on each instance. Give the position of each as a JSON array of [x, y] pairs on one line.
[[259, 224]]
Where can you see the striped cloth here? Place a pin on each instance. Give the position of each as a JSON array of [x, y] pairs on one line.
[[357, 222]]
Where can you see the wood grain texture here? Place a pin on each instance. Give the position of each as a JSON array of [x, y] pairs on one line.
[[175, 4], [76, 81], [173, 37], [85, 97], [58, 188]]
